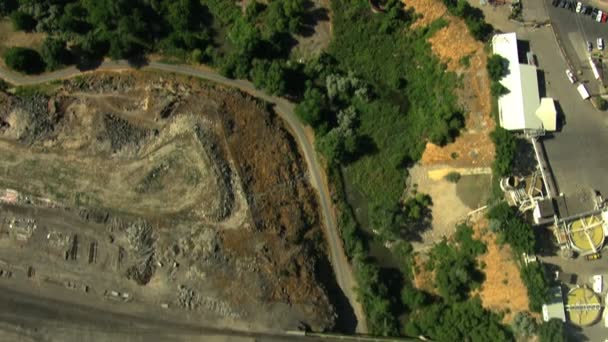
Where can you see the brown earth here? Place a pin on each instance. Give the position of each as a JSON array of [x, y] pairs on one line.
[[196, 193], [502, 290], [452, 44]]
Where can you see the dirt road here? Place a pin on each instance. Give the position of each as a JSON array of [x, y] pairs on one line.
[[285, 110]]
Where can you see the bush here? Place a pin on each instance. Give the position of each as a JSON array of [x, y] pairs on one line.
[[533, 277], [24, 60], [506, 147], [464, 321], [524, 325], [511, 228], [498, 67], [23, 21], [600, 103], [497, 89], [55, 54], [269, 76], [552, 331], [452, 177], [312, 108]]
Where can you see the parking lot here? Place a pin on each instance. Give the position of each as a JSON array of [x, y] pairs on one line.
[[577, 153]]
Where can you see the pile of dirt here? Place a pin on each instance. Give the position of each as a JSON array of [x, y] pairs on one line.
[[202, 190]]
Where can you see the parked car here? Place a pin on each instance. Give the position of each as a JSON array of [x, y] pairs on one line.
[[598, 18], [555, 3], [600, 43], [584, 9], [588, 10], [570, 76], [604, 17], [562, 4], [589, 46], [593, 256], [594, 13], [579, 5], [570, 5]]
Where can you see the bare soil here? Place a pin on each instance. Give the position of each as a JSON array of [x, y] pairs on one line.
[[317, 32], [502, 290], [183, 196]]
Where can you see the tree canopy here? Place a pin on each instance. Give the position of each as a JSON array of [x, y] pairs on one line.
[[23, 60], [498, 67]]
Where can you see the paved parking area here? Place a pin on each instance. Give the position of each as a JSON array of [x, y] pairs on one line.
[[578, 154], [575, 30]]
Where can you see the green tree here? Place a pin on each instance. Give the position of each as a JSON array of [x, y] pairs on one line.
[[8, 6], [269, 75], [497, 89], [23, 21], [497, 67], [55, 53], [506, 147], [511, 228], [414, 298], [463, 321], [533, 277], [24, 60], [311, 109], [552, 331], [524, 325]]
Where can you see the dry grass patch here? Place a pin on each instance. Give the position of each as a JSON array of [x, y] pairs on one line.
[[503, 290]]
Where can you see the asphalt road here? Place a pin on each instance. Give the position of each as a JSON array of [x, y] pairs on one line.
[[285, 110], [577, 153]]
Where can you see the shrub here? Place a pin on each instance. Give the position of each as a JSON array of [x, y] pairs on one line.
[[552, 331], [452, 177], [524, 325], [511, 228], [497, 89], [533, 277], [600, 103], [506, 147], [24, 60], [23, 21], [497, 67], [54, 53]]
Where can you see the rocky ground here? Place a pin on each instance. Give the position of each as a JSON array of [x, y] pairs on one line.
[[161, 193]]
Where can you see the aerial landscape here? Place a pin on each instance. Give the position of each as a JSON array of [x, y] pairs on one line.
[[293, 170]]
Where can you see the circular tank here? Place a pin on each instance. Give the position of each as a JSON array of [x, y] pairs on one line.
[[583, 306], [586, 234]]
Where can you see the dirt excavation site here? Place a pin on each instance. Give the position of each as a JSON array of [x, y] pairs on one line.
[[150, 194]]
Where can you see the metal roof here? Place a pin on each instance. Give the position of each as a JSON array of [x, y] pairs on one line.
[[517, 109]]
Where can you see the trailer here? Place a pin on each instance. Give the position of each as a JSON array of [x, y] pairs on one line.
[[583, 91]]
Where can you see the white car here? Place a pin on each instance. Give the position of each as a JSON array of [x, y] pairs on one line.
[[600, 43], [570, 75], [579, 5], [598, 18]]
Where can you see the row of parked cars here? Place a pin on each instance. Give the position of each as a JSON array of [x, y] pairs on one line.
[[578, 7]]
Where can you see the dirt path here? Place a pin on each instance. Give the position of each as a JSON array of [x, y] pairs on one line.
[[285, 110]]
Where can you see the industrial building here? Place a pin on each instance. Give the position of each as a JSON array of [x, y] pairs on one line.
[[521, 108]]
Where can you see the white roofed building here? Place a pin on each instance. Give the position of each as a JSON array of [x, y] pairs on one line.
[[517, 109]]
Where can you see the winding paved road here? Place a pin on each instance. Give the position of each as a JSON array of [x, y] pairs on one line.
[[285, 110]]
